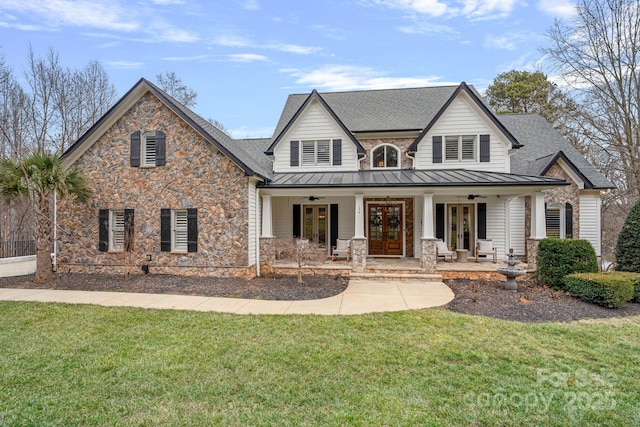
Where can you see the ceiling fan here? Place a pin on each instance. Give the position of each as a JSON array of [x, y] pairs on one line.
[[312, 198], [475, 196]]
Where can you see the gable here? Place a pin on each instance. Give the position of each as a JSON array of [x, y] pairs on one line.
[[462, 116], [218, 139]]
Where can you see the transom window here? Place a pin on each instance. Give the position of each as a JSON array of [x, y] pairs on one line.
[[385, 156], [316, 152], [148, 149], [180, 230], [460, 147]]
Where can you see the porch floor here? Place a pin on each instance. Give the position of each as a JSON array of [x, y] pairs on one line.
[[448, 270]]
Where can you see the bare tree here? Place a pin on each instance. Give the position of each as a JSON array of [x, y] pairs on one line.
[[597, 54], [300, 251], [173, 86]]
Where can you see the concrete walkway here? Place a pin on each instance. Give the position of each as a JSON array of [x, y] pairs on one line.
[[361, 296]]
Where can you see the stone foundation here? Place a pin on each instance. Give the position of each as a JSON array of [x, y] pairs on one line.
[[532, 253], [359, 254], [243, 272], [267, 255], [428, 256]]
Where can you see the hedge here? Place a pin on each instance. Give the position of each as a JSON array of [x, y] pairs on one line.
[[628, 245], [606, 289], [559, 257], [635, 279]]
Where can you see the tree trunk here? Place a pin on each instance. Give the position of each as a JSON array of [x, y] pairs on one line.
[[43, 265]]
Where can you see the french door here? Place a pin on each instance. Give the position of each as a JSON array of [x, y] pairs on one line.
[[315, 223], [385, 230], [461, 226]]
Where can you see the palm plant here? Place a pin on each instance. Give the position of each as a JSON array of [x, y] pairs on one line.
[[38, 177]]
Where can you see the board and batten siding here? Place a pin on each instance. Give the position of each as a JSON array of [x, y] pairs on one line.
[[314, 123], [463, 118], [253, 223], [495, 225], [590, 220]]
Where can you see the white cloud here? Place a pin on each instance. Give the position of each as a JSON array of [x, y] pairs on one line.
[[185, 58], [500, 42], [471, 9], [292, 48], [557, 8], [246, 57], [80, 13], [163, 2], [247, 132], [251, 5], [124, 64], [231, 41], [347, 77]]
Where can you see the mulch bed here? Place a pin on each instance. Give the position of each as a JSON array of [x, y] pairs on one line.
[[531, 303]]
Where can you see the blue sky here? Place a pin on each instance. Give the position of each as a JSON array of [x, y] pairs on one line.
[[243, 57]]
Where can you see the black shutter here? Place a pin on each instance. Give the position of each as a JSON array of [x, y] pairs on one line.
[[128, 229], [165, 230], [568, 220], [440, 221], [334, 224], [337, 152], [482, 220], [192, 230], [485, 148], [437, 149], [103, 227], [297, 225], [295, 153], [161, 150], [134, 155]]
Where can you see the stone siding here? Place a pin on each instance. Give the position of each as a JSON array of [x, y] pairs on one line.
[[568, 193], [402, 143], [196, 175], [428, 258]]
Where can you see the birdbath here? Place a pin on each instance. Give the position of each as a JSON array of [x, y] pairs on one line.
[[511, 272]]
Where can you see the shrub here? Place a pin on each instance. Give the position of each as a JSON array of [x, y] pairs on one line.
[[559, 257], [606, 289], [635, 280], [628, 245]]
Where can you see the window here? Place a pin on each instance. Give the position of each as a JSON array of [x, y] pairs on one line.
[[460, 148], [179, 230], [385, 156], [554, 221], [148, 149], [116, 228], [316, 152]]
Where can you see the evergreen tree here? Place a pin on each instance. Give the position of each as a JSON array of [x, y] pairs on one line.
[[628, 246]]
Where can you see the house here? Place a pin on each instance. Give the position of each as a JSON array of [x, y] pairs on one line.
[[392, 170]]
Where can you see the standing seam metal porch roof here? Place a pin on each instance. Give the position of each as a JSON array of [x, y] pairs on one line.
[[407, 178]]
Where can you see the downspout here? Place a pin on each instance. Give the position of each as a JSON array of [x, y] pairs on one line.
[[413, 158], [54, 255], [258, 229]]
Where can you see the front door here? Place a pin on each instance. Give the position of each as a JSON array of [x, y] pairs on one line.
[[385, 231], [461, 226], [315, 223]]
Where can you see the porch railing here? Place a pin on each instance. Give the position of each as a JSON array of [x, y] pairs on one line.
[[15, 248]]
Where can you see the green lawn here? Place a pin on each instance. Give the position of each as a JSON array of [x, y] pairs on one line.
[[84, 365]]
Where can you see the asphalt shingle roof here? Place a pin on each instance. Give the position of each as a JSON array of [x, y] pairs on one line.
[[542, 143]]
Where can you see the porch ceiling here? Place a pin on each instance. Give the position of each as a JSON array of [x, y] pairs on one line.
[[408, 178]]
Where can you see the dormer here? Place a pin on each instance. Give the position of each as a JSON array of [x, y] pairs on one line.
[[315, 140]]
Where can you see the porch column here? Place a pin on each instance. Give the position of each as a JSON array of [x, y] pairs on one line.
[[428, 257], [427, 216], [267, 223], [359, 231], [267, 253], [359, 241], [538, 225], [538, 229]]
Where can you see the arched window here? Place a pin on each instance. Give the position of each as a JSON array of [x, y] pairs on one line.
[[555, 220], [385, 156]]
